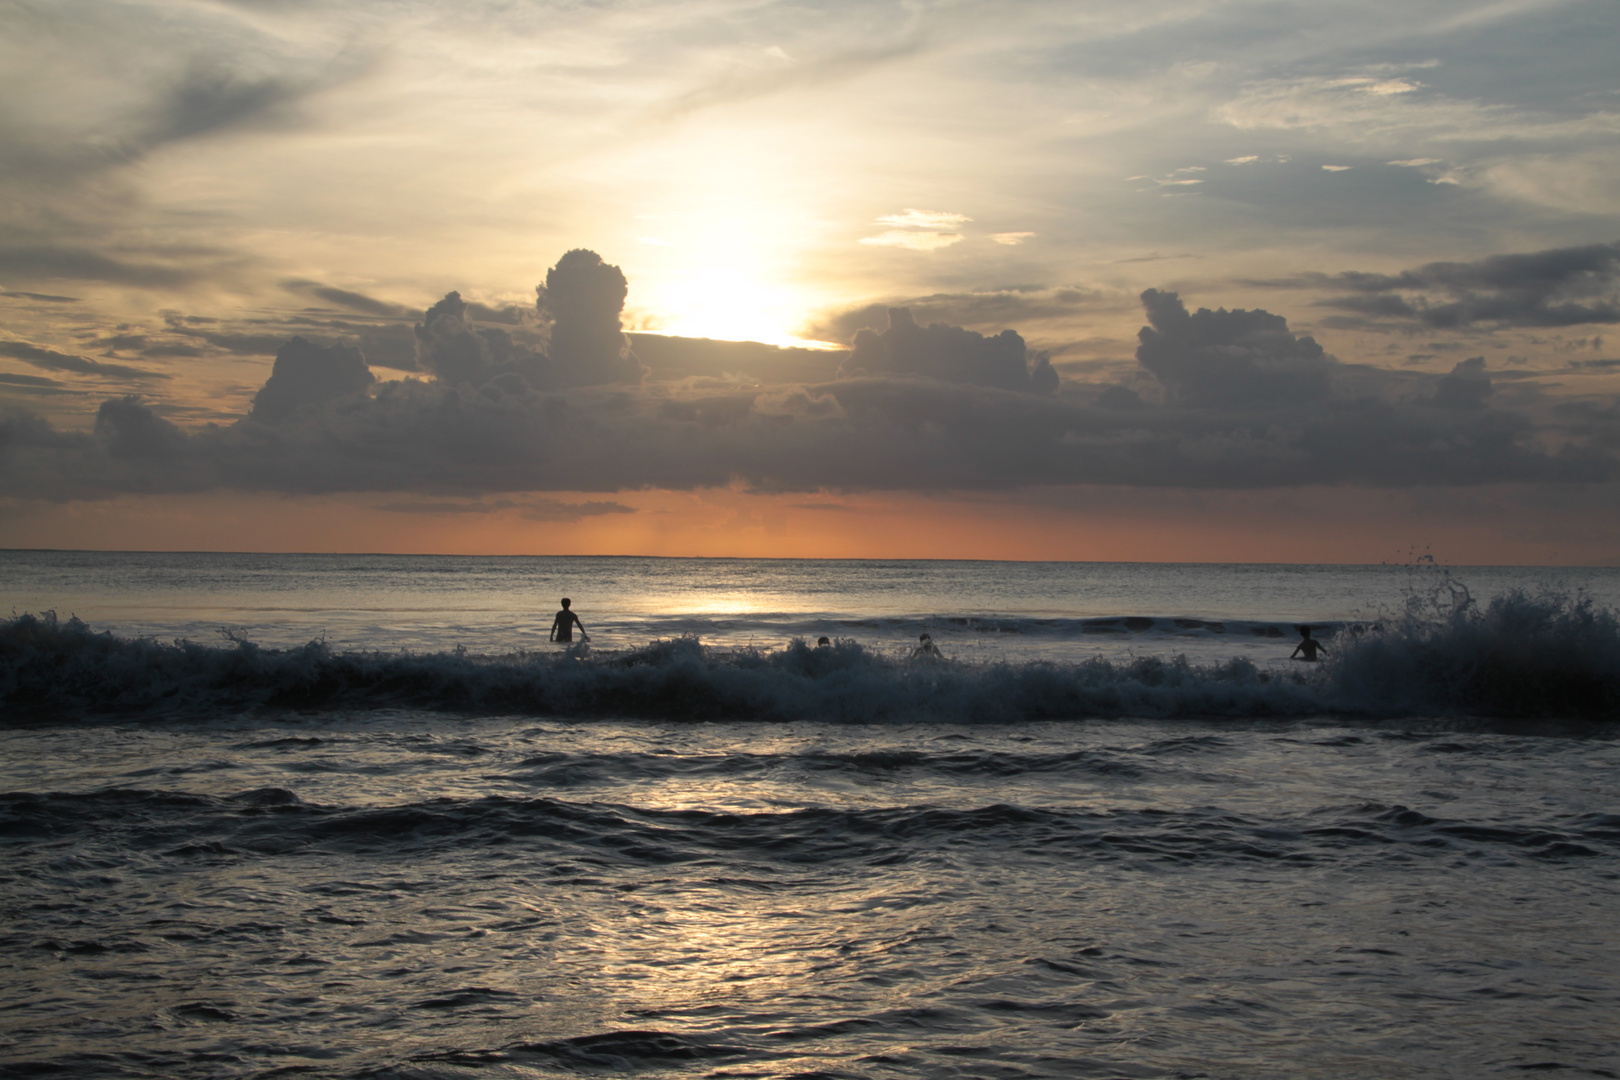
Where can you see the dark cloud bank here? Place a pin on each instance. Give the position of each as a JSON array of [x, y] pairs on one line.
[[1559, 287], [557, 400]]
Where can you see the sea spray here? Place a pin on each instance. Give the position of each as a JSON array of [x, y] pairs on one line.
[[1520, 655], [1547, 654]]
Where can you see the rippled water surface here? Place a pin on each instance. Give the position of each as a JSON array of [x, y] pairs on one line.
[[413, 894]]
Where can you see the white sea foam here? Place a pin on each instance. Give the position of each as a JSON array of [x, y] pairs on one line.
[[1544, 655]]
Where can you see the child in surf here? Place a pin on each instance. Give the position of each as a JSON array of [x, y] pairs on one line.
[[1308, 645], [562, 627]]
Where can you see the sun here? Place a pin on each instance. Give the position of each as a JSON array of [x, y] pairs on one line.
[[722, 253], [731, 303]]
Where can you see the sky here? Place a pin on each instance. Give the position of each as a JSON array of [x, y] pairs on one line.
[[1182, 280]]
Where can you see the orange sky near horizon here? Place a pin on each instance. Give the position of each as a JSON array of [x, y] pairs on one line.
[[1308, 525]]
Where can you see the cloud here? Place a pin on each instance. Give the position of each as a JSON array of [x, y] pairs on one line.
[[913, 241], [42, 297], [34, 384], [207, 99], [95, 93], [920, 230], [585, 297], [1228, 359], [1558, 287], [949, 353], [344, 298], [43, 261], [872, 433], [456, 350], [532, 509], [924, 219], [1010, 239], [997, 308], [1466, 387], [309, 374], [1221, 399], [52, 360]]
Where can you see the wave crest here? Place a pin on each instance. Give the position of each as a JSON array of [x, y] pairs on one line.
[[1519, 656]]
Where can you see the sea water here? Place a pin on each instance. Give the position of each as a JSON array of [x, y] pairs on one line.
[[354, 816]]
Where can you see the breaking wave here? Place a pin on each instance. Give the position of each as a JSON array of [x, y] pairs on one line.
[[1521, 655]]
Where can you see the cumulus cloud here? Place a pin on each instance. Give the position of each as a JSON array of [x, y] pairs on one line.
[[308, 374], [585, 296], [866, 433], [1245, 402], [450, 345], [1228, 359], [949, 353], [1466, 387]]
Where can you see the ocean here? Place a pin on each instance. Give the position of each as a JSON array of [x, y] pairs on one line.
[[355, 816]]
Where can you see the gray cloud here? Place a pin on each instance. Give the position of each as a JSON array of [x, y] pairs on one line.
[[65, 261], [1229, 359], [532, 509], [51, 360], [949, 353], [1018, 304], [42, 297], [585, 296], [1245, 403], [1559, 287], [209, 98], [674, 358], [867, 433], [456, 350], [344, 298], [36, 385], [91, 92], [1468, 386], [266, 343], [310, 374]]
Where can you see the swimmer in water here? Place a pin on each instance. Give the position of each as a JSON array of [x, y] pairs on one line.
[[1308, 645], [926, 648], [562, 627]]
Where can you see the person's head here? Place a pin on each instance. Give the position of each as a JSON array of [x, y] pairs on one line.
[[924, 637], [1305, 632], [822, 642], [566, 602]]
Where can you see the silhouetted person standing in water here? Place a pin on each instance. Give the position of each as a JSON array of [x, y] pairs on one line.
[[1307, 645], [926, 649], [562, 627]]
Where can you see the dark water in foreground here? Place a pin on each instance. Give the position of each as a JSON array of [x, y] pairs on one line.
[[1103, 840], [398, 895]]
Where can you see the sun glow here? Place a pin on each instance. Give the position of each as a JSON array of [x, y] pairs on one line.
[[730, 303], [721, 247]]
